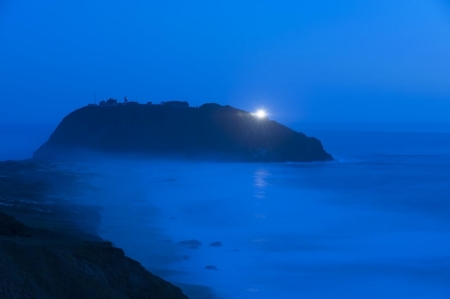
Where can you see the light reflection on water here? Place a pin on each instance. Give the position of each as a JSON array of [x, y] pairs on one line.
[[260, 184]]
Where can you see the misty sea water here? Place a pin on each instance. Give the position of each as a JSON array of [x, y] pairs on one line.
[[375, 223]]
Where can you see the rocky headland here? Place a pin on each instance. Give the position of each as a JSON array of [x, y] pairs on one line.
[[210, 131]]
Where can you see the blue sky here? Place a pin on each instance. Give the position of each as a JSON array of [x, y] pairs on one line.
[[307, 61]]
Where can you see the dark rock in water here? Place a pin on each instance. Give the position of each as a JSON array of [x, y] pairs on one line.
[[208, 132], [211, 268], [190, 243], [195, 291], [216, 244]]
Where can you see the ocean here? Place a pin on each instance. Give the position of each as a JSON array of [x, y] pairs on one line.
[[375, 223]]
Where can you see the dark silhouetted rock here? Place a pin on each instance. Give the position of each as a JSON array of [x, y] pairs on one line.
[[190, 243], [208, 132], [216, 244]]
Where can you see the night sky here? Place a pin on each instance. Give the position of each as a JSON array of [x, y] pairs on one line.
[[306, 61]]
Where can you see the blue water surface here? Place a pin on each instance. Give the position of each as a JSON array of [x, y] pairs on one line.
[[375, 223], [372, 224]]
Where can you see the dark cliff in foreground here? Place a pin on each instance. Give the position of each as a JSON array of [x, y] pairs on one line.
[[210, 131], [42, 264], [48, 251]]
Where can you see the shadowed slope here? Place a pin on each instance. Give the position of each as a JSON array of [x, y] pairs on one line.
[[48, 248], [45, 265]]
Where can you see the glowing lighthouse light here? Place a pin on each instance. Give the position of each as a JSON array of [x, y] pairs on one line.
[[261, 113]]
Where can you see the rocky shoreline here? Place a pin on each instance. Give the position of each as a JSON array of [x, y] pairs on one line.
[[49, 249]]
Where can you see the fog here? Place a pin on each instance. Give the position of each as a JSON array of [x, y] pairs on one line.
[[373, 223], [362, 226], [362, 76], [19, 141]]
